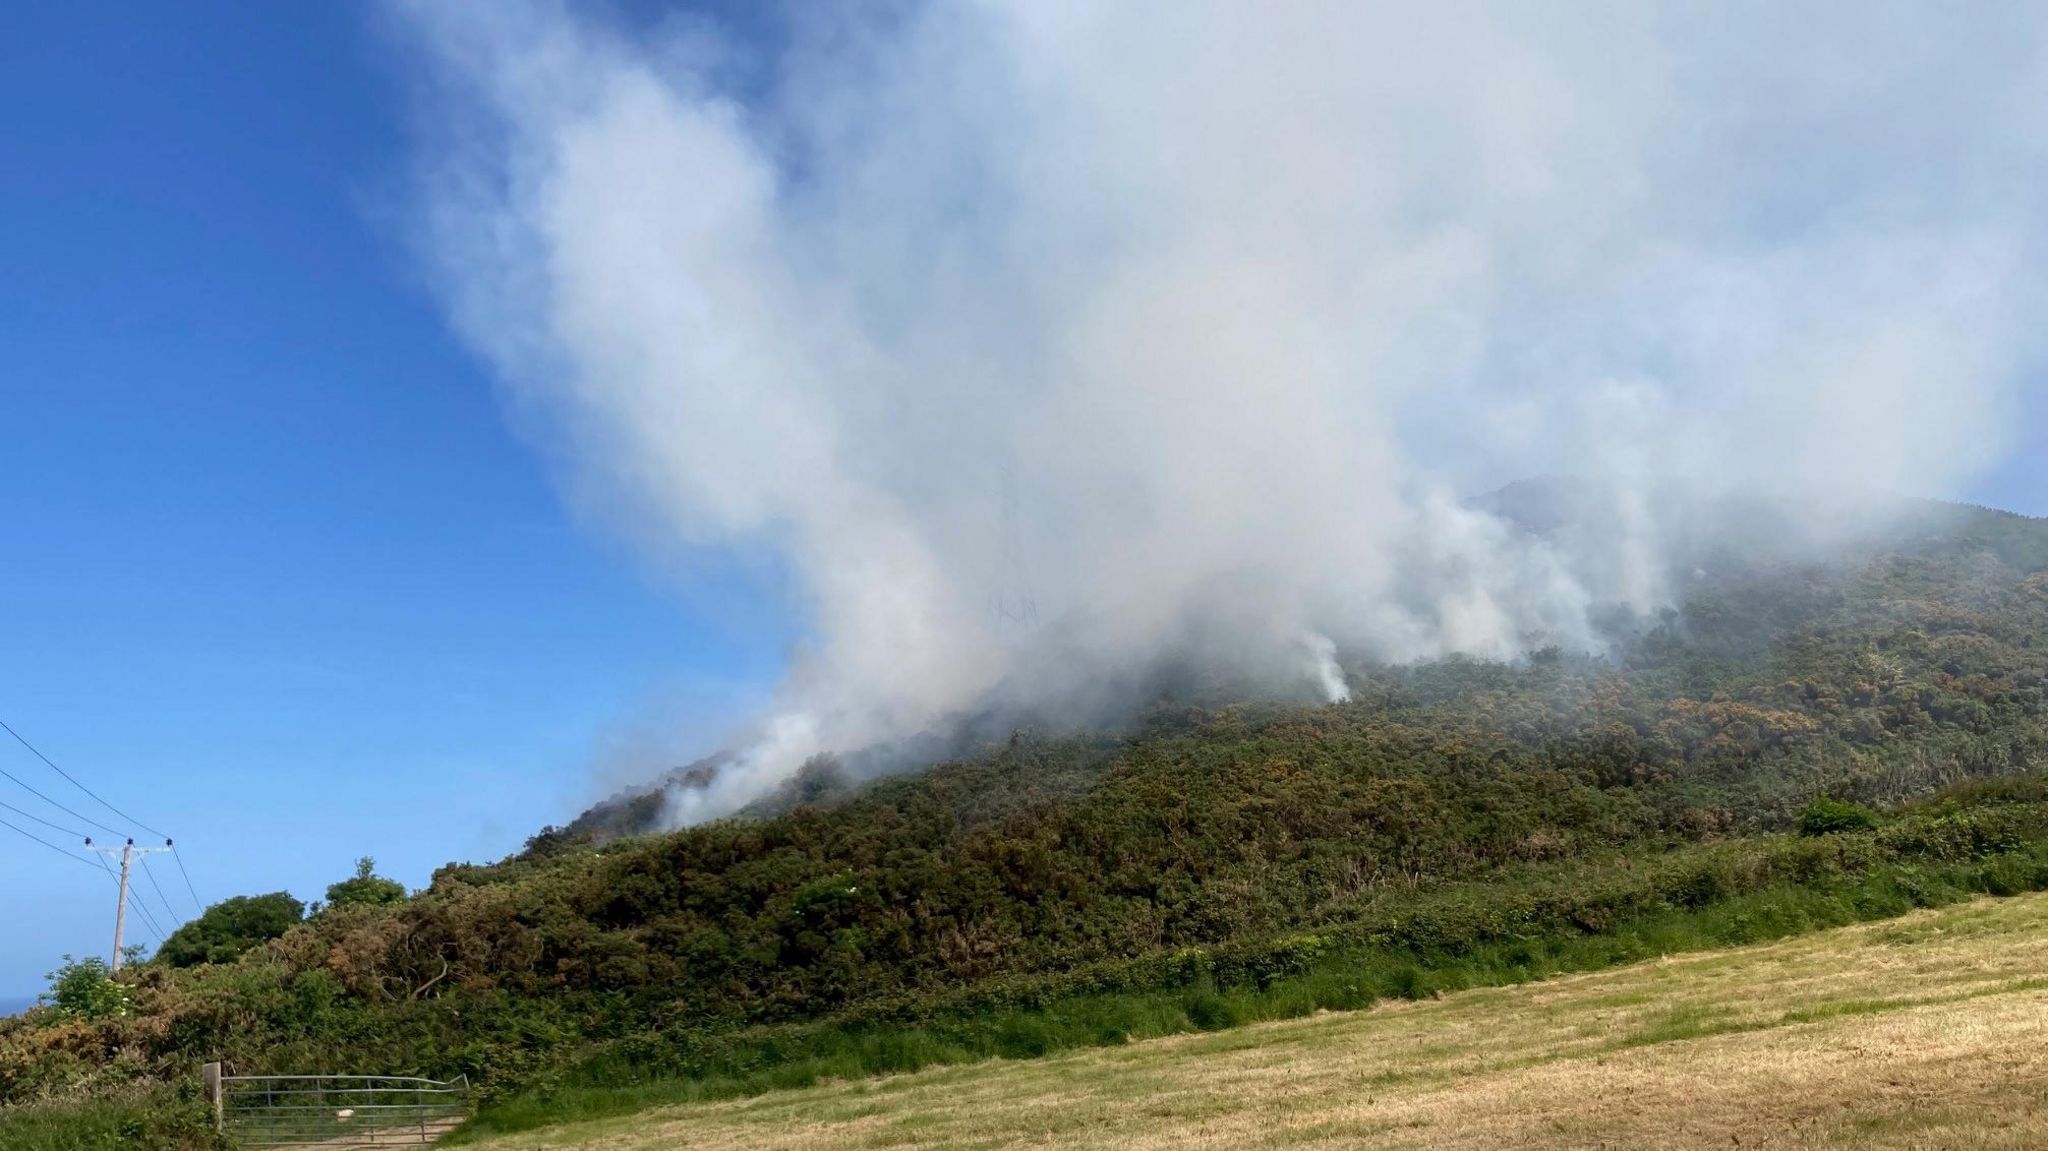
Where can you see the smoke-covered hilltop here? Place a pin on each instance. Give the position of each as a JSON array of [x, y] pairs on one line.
[[1773, 555], [1180, 323]]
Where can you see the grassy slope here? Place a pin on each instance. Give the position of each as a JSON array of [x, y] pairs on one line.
[[1927, 1031]]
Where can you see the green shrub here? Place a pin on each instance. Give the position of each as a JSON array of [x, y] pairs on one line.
[[1209, 1011], [85, 989], [365, 888], [1831, 816], [231, 927], [153, 1119]]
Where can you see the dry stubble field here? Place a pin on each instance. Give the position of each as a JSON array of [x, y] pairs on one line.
[[1929, 1031]]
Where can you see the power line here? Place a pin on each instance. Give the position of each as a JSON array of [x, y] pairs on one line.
[[147, 916], [39, 819], [142, 910], [174, 916], [129, 853], [149, 922], [141, 904], [193, 891], [46, 843], [79, 786], [60, 807], [116, 881]]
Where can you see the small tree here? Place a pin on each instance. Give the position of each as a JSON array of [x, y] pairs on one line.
[[84, 988], [365, 888], [231, 927]]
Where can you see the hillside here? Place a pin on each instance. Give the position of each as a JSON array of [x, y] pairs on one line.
[[1456, 823], [1757, 572], [1782, 1045]]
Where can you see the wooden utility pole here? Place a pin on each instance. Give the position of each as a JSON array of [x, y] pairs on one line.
[[121, 901], [128, 853]]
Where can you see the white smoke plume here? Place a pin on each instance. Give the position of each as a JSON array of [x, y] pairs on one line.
[[1322, 654], [1242, 296]]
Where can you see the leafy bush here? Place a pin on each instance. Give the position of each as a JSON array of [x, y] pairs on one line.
[[85, 989], [1831, 816], [231, 927], [365, 888]]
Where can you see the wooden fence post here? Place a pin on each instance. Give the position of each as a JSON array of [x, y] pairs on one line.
[[211, 1072]]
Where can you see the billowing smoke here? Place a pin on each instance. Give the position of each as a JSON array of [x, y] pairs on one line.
[[1037, 339]]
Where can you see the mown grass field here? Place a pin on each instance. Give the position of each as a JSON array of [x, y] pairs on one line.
[[1927, 1031]]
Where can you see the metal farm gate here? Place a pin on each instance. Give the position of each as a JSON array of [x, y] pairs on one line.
[[335, 1111]]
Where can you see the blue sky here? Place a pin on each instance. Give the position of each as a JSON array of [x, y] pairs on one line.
[[279, 576]]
